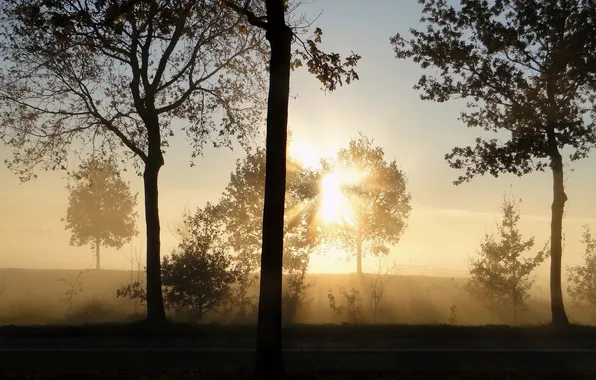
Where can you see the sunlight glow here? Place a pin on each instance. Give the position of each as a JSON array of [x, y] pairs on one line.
[[332, 198], [335, 205], [304, 153]]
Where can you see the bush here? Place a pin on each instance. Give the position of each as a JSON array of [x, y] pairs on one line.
[[197, 282]]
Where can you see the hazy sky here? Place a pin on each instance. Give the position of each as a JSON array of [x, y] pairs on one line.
[[447, 222]]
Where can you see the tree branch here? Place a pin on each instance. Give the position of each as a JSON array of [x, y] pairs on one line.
[[250, 16]]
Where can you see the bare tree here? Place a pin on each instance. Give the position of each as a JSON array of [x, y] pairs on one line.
[[380, 280]]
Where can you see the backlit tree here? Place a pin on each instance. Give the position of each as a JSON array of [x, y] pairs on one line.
[[125, 76], [527, 70], [101, 207], [500, 275], [376, 202]]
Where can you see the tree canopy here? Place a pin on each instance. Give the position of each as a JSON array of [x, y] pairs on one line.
[[101, 207], [242, 205], [527, 71], [121, 76], [377, 201], [198, 276]]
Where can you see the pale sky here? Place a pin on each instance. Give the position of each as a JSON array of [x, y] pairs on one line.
[[447, 221]]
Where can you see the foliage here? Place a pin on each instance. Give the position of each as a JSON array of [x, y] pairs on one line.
[[294, 295], [242, 205], [501, 274], [101, 207], [582, 278], [377, 199], [198, 277], [529, 68], [528, 73], [351, 308], [123, 71], [328, 68], [122, 76], [74, 287]]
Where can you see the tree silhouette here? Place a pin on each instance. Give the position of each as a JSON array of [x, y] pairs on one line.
[[124, 75], [582, 278], [199, 275], [242, 205], [100, 207], [500, 275], [528, 69], [331, 71], [377, 200]]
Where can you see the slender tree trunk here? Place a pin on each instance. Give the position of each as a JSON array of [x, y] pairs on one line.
[[559, 317], [155, 307], [358, 252], [97, 243], [269, 362]]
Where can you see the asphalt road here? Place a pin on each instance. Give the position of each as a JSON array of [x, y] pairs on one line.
[[372, 359]]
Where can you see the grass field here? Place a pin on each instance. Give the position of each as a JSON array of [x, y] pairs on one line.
[[38, 297]]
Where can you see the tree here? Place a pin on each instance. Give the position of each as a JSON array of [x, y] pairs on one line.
[[331, 71], [582, 278], [100, 207], [377, 201], [243, 201], [117, 74], [501, 274], [528, 70]]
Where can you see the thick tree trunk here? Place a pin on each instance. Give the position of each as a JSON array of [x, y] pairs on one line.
[[559, 317], [269, 363], [155, 307], [97, 243]]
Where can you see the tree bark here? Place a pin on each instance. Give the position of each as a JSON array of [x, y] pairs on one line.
[[97, 243], [559, 317], [155, 307], [269, 362]]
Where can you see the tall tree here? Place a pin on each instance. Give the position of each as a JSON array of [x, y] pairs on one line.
[[331, 71], [528, 69], [500, 275], [242, 205], [123, 74], [582, 278], [100, 207], [377, 202]]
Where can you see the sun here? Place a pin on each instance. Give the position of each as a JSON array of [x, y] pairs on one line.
[[335, 205]]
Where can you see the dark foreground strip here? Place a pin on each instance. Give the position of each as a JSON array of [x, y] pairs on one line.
[[307, 360]]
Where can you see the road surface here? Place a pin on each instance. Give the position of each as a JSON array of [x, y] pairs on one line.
[[77, 357]]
